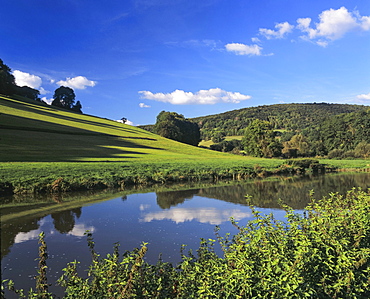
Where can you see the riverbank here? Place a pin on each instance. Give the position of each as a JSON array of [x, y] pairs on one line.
[[50, 177]]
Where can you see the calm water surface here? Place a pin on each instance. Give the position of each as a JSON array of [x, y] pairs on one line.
[[165, 220]]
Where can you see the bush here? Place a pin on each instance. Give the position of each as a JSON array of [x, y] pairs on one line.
[[323, 254], [336, 154]]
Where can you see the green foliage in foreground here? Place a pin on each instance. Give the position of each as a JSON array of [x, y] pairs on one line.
[[323, 254]]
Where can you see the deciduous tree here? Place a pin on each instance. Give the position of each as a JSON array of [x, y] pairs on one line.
[[64, 97], [176, 127], [7, 80], [259, 140]]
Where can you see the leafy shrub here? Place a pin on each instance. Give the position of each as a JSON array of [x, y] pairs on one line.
[[336, 154]]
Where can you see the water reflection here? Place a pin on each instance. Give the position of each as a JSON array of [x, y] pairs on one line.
[[64, 221], [293, 191], [203, 215], [165, 219]]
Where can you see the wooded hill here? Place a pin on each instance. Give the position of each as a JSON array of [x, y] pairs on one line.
[[290, 117], [313, 129]]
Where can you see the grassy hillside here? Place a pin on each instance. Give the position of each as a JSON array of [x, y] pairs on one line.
[[208, 143], [46, 149], [35, 132]]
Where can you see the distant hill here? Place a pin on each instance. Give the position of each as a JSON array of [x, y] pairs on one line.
[[289, 117]]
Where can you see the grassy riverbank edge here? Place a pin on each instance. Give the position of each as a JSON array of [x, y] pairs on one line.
[[55, 177]]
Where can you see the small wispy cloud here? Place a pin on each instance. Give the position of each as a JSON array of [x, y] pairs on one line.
[[196, 43], [364, 97], [255, 40], [142, 105], [242, 49], [79, 82], [202, 97], [282, 29]]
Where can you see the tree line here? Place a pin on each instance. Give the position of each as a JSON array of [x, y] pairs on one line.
[[289, 117], [64, 97], [342, 136]]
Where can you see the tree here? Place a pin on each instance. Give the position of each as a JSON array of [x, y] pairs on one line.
[[7, 80], [298, 143], [28, 92], [218, 136], [259, 140], [64, 97], [362, 150], [176, 127], [77, 107]]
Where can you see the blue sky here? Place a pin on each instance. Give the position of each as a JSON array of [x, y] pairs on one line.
[[135, 58]]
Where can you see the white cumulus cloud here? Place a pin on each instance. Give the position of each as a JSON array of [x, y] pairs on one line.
[[26, 79], [242, 49], [142, 105], [282, 29], [333, 24], [364, 96], [203, 97], [78, 82]]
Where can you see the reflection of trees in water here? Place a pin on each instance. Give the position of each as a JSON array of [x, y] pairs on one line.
[[64, 221], [293, 191], [11, 229], [172, 198], [265, 194]]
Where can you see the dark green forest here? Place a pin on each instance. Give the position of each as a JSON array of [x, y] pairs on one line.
[[290, 117], [290, 130]]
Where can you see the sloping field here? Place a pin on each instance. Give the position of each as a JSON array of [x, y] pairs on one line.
[[33, 132], [46, 149]]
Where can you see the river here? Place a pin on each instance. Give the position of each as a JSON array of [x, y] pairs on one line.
[[164, 216]]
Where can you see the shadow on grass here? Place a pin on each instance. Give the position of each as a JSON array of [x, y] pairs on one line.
[[52, 112], [29, 140]]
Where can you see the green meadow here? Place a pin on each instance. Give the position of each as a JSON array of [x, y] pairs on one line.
[[41, 145], [44, 148], [208, 143]]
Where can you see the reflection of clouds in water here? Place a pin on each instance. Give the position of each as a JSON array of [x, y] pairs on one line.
[[203, 215], [77, 231], [80, 229], [144, 207], [31, 235]]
